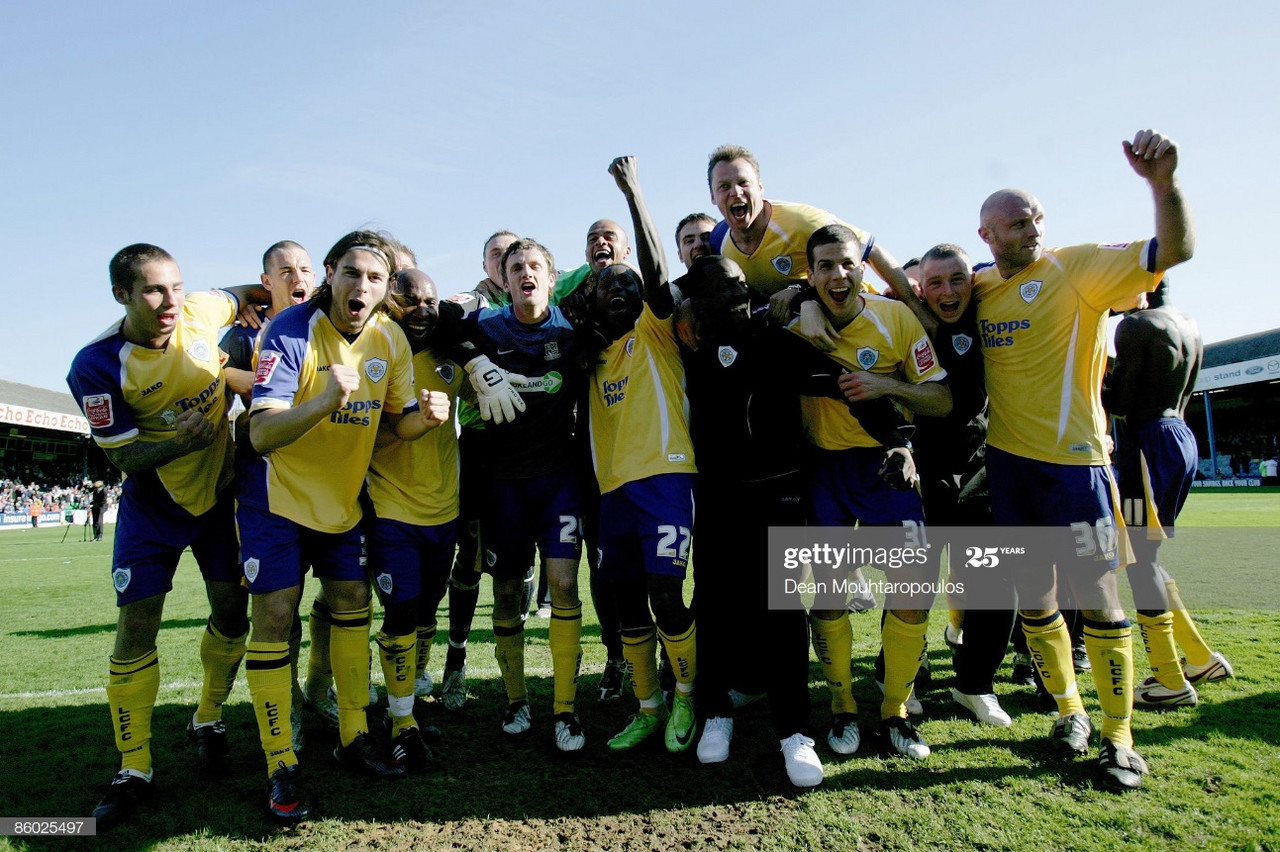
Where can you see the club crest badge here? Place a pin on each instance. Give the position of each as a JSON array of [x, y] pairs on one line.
[[1030, 290], [385, 583], [727, 356], [631, 346], [251, 566], [120, 578], [782, 263], [169, 417], [961, 343], [490, 558], [199, 349], [446, 372], [867, 357], [375, 369], [551, 351]]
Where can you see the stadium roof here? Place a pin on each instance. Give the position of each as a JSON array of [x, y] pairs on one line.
[[26, 405], [1241, 361], [1260, 345]]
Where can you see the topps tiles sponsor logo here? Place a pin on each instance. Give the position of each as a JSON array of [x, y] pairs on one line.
[[614, 392], [357, 412], [204, 400], [1001, 333]]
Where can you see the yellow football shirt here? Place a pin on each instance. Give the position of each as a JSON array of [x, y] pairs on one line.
[[780, 259], [132, 393], [1043, 336], [416, 482], [315, 480], [885, 338], [639, 411]]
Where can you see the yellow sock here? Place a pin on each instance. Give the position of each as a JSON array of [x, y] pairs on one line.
[[564, 635], [1185, 632], [426, 638], [1049, 642], [267, 671], [397, 654], [349, 653], [833, 643], [1110, 647], [319, 669], [1157, 639], [132, 686], [220, 655], [903, 648], [508, 648], [682, 651], [639, 647]]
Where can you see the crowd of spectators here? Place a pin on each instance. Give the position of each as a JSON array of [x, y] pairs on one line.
[[30, 486]]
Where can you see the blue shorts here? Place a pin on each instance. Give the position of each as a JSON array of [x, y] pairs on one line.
[[845, 489], [276, 551], [543, 510], [406, 558], [150, 539], [646, 527], [1155, 497], [1029, 493]]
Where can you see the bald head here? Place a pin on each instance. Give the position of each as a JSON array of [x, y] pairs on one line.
[[1012, 225], [606, 245], [1003, 200]]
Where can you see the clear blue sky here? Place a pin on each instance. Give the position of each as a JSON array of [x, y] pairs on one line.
[[216, 129]]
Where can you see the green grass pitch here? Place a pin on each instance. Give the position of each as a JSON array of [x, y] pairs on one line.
[[1214, 781]]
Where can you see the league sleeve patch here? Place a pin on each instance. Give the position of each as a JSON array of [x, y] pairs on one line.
[[98, 411], [923, 354], [268, 360]]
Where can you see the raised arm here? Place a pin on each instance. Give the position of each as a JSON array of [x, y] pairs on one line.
[[1155, 158], [653, 262]]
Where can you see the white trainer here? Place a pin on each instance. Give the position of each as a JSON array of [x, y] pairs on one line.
[[453, 692], [1218, 668], [899, 737], [986, 708], [1152, 693], [801, 759], [844, 736], [422, 686], [716, 735], [569, 735], [517, 719]]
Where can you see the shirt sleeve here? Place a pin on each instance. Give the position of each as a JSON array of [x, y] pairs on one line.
[[96, 389], [280, 360]]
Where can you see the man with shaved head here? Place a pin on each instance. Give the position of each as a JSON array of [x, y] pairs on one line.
[[1042, 323]]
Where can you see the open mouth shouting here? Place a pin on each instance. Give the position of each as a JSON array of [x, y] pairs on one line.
[[840, 295], [949, 308]]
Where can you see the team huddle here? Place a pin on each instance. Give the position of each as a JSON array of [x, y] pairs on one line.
[[396, 444]]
